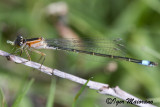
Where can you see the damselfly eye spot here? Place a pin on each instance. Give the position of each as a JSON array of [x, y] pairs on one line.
[[20, 37]]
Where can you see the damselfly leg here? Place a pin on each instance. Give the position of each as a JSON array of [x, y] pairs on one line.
[[43, 55]]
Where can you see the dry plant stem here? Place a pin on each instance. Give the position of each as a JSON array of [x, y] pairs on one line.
[[100, 87]]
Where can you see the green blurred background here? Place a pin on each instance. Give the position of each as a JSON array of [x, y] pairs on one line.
[[136, 22]]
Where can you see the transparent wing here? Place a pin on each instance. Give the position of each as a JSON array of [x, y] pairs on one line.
[[102, 46]]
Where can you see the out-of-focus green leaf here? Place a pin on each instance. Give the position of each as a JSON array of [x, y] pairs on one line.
[[80, 92], [51, 95], [22, 93]]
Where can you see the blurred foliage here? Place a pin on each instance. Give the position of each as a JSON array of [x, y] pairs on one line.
[[136, 22]]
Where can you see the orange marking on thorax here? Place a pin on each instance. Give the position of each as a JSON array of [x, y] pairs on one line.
[[30, 43]]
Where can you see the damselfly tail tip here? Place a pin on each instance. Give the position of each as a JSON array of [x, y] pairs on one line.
[[154, 63]]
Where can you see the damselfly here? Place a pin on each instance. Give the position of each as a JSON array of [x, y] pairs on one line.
[[69, 45]]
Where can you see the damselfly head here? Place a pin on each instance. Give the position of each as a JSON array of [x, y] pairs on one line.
[[19, 41]]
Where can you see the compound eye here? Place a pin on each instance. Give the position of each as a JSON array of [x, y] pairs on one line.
[[19, 41], [20, 37]]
